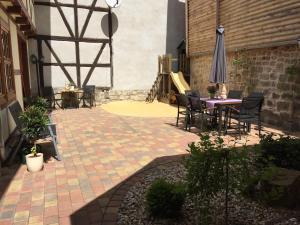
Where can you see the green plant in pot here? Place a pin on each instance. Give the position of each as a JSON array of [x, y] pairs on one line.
[[41, 103], [212, 90], [34, 121], [34, 160]]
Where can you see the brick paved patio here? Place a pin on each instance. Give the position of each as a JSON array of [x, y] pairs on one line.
[[99, 151]]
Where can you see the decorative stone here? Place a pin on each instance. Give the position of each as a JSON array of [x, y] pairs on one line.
[[288, 181]]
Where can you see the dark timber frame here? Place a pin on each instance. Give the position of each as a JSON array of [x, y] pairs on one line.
[[77, 38]]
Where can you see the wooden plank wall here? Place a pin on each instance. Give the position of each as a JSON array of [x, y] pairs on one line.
[[201, 25], [248, 24]]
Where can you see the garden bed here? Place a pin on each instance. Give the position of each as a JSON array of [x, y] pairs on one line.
[[242, 211]]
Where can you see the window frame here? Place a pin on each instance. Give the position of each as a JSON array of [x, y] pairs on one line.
[[7, 96]]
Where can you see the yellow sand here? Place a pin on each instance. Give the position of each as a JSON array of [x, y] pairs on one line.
[[140, 109]]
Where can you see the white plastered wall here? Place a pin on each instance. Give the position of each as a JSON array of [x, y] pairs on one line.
[[145, 29]]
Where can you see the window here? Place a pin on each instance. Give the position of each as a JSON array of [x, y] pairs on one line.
[[7, 87]]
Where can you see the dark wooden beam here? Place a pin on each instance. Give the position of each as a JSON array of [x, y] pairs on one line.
[[29, 33], [51, 4], [75, 64], [14, 10], [88, 19], [72, 39], [111, 48], [21, 20], [77, 50], [24, 13], [25, 27], [88, 76], [64, 18], [40, 64], [59, 62]]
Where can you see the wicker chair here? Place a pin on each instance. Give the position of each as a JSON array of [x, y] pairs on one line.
[[201, 112], [248, 113], [194, 93], [52, 98], [234, 94], [183, 108], [89, 95]]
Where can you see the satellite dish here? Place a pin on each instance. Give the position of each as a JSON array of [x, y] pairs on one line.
[[113, 3]]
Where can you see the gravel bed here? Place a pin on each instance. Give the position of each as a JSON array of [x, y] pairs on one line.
[[242, 211]]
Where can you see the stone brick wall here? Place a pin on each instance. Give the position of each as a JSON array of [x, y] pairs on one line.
[[264, 70], [103, 96]]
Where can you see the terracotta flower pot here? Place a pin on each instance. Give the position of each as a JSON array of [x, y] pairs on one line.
[[34, 164]]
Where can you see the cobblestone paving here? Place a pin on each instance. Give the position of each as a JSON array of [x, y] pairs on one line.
[[99, 151]]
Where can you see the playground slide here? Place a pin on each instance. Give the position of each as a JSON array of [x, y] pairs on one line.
[[180, 82]]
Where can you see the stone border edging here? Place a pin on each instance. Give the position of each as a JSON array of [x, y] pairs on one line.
[[116, 194]]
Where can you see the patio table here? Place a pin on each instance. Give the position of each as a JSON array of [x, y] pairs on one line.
[[220, 104], [70, 98]]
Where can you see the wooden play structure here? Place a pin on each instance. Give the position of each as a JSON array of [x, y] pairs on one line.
[[168, 82]]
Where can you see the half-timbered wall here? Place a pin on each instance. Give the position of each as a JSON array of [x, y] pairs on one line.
[[142, 30]]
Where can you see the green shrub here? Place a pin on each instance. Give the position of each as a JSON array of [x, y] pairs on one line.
[[164, 199], [212, 169], [282, 152], [34, 121], [260, 189], [40, 103]]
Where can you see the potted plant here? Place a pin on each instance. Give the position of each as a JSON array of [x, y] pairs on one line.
[[211, 91], [34, 122], [34, 160], [41, 103]]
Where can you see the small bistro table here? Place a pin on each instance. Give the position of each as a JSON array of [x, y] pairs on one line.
[[70, 98], [220, 104]]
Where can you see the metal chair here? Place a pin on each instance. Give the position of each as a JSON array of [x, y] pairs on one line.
[[256, 95], [234, 94], [52, 98], [183, 108], [89, 92], [194, 93], [198, 109], [248, 113]]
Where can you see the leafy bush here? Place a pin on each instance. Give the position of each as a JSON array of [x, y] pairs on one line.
[[41, 103], [164, 199], [211, 169], [282, 152], [34, 121]]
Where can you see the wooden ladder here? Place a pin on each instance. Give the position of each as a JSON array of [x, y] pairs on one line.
[[155, 89]]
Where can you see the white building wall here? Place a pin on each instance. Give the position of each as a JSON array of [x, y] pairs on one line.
[[144, 30]]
